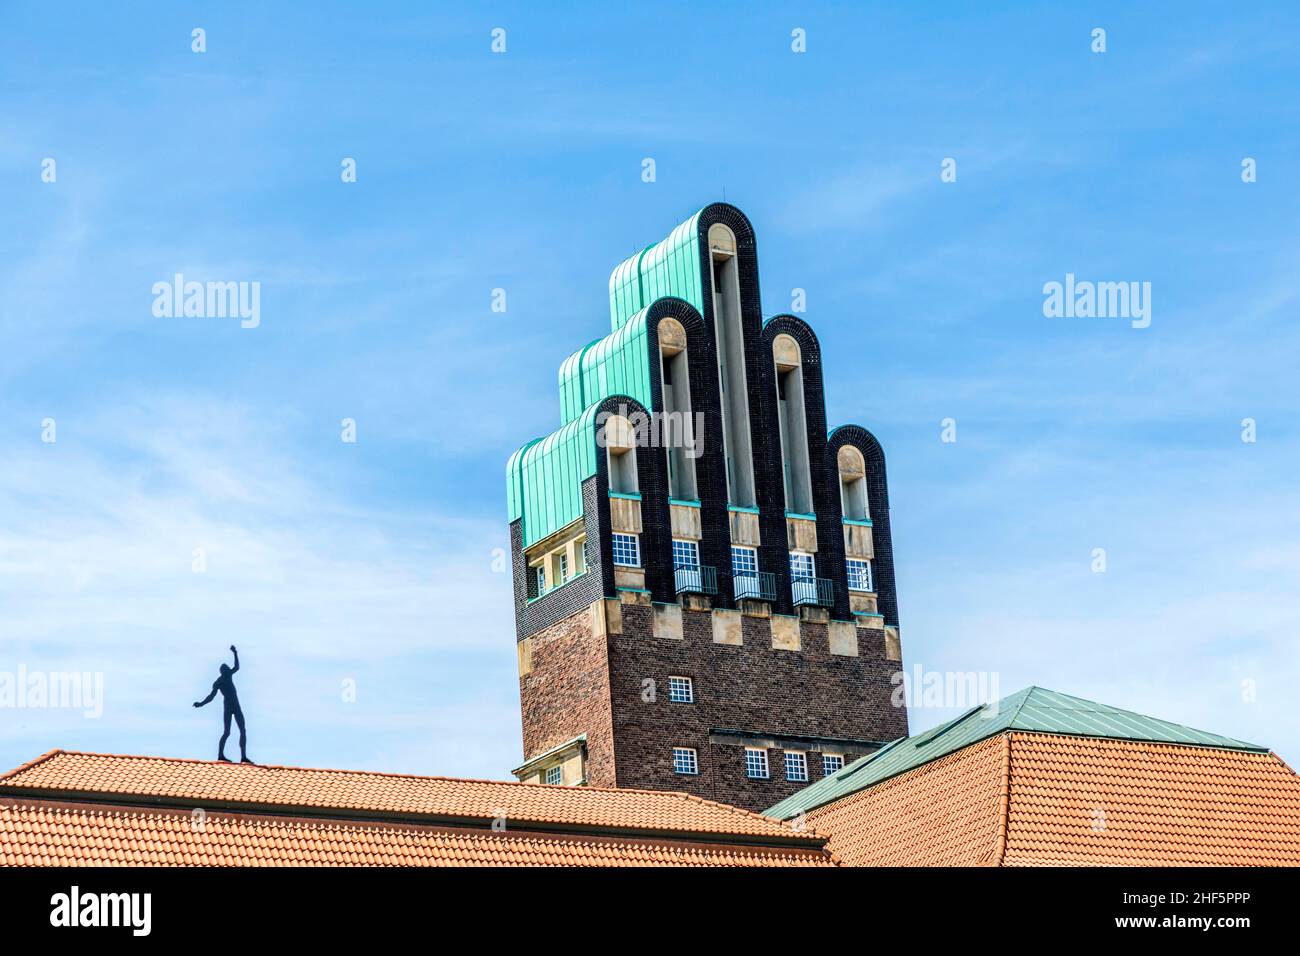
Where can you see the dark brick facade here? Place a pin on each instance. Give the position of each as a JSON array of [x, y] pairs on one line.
[[808, 700]]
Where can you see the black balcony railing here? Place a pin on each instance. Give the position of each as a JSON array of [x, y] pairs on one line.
[[756, 585], [818, 591], [698, 579]]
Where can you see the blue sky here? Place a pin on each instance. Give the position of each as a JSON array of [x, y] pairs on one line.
[[373, 561]]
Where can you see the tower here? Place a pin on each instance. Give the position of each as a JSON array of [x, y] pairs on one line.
[[703, 574]]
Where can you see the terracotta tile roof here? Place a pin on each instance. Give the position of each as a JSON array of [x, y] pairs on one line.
[[1109, 802], [1025, 799], [293, 814], [945, 813], [44, 833]]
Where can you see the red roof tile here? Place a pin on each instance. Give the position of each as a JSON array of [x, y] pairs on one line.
[[45, 833], [1022, 799], [98, 808], [945, 813]]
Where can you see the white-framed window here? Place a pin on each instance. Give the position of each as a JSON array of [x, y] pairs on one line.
[[744, 561], [859, 575], [681, 690], [802, 566], [564, 568], [555, 774], [832, 763], [685, 761], [540, 573], [626, 549], [755, 763], [580, 556], [686, 554], [796, 765]]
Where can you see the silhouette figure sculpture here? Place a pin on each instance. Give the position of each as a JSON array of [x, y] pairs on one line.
[[230, 708]]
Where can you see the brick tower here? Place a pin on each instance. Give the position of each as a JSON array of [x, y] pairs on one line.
[[703, 574]]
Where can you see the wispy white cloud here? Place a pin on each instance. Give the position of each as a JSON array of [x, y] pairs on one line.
[[97, 539]]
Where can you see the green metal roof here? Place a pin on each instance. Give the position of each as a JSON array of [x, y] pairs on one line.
[[670, 267], [1032, 710], [544, 478], [618, 364]]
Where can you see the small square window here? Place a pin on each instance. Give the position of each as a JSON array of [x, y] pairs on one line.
[[802, 567], [744, 561], [626, 549], [555, 774], [686, 554], [685, 762], [859, 575], [755, 763], [796, 765], [681, 690], [832, 763]]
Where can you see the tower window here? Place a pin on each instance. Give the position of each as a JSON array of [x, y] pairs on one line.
[[796, 765], [802, 566], [686, 554], [853, 483], [678, 434], [626, 549], [792, 421], [685, 761], [832, 763], [622, 470], [744, 572], [620, 447], [729, 333], [681, 690], [859, 575], [755, 763]]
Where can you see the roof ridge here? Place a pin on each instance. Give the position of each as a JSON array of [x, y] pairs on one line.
[[1027, 693], [1110, 713], [32, 763], [1004, 802], [1184, 744], [551, 788]]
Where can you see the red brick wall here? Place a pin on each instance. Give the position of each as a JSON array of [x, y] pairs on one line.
[[751, 689], [567, 694], [589, 683]]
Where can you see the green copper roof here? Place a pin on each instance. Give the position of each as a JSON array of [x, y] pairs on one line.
[[618, 364], [670, 267], [1033, 710], [544, 478]]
